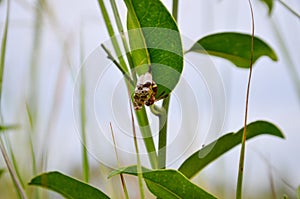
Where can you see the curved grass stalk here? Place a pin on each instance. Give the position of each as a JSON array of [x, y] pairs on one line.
[[239, 188], [118, 161]]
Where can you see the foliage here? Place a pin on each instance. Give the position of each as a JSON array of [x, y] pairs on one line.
[[235, 47], [196, 162], [67, 186], [154, 45]]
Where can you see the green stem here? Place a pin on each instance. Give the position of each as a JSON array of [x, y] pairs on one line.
[[85, 160], [121, 31], [119, 165], [289, 8], [162, 140], [112, 35], [175, 9], [139, 166], [239, 188], [142, 119], [163, 118]]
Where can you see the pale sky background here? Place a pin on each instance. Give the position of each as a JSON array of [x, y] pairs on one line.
[[273, 93]]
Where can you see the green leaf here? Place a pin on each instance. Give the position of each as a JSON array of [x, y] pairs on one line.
[[269, 3], [155, 40], [196, 162], [67, 186], [167, 183], [235, 47], [298, 192]]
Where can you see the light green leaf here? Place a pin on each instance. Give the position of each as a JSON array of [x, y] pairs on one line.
[[269, 3], [235, 47], [67, 186], [155, 40], [200, 159], [168, 183], [298, 192]]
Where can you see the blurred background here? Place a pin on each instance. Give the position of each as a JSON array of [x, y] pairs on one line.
[[49, 41]]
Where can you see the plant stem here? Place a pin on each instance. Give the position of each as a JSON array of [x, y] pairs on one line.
[[141, 117], [239, 189], [85, 160], [121, 31], [162, 140], [147, 136], [112, 35], [163, 118], [139, 166], [175, 9], [289, 8], [117, 156]]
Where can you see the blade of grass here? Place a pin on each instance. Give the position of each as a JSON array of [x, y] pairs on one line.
[[12, 172], [162, 139], [124, 41], [239, 188], [175, 9], [117, 156], [139, 166], [112, 35], [143, 122], [289, 8], [85, 160]]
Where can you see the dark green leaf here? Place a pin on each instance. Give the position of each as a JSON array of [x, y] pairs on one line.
[[196, 162], [67, 186], [235, 47], [155, 40], [168, 183], [269, 3]]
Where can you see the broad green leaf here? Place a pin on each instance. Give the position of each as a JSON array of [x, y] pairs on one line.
[[298, 192], [155, 40], [67, 186], [235, 47], [167, 183], [269, 3], [1, 172], [196, 162]]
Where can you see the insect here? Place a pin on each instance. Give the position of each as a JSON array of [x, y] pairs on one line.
[[145, 91]]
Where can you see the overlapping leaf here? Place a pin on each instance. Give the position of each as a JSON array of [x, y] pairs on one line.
[[197, 161], [168, 183]]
